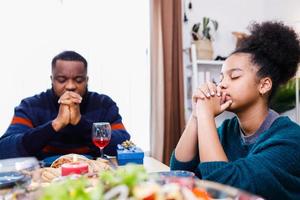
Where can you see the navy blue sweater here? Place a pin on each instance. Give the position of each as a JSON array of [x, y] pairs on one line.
[[270, 167], [31, 133]]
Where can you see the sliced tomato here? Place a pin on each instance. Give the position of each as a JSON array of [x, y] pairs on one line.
[[150, 197], [201, 193]]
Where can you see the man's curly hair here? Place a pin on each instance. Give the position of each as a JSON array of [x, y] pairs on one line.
[[275, 48]]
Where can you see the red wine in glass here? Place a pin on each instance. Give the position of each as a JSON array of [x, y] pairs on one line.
[[101, 142], [101, 134]]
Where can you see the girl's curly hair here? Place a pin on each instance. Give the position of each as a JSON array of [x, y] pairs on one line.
[[275, 48]]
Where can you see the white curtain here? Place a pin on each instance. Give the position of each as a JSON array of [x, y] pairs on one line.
[[157, 83]]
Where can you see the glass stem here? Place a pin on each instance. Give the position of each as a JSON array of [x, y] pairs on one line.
[[101, 153]]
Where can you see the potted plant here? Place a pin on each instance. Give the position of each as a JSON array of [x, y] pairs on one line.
[[202, 34], [284, 98]]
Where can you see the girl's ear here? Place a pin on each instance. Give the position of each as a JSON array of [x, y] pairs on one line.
[[265, 85]]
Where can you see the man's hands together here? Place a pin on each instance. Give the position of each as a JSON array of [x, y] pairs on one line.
[[69, 110]]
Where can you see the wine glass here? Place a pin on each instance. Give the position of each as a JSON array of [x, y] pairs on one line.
[[101, 134]]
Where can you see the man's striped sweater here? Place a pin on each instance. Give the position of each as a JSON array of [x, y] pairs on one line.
[[31, 133]]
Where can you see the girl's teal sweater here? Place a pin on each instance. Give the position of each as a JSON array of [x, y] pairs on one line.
[[270, 167]]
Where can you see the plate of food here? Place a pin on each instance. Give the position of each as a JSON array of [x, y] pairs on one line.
[[54, 170], [176, 173], [17, 171], [187, 186], [181, 177], [129, 182], [47, 162], [9, 179], [133, 182]]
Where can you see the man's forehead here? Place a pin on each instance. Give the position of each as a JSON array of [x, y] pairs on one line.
[[66, 63], [69, 67]]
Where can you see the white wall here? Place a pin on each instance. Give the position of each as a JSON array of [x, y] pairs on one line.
[[235, 15], [287, 10], [112, 35]]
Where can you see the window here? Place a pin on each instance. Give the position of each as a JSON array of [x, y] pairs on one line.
[[112, 35]]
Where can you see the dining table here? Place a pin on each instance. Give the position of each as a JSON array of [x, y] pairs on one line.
[[150, 164], [161, 173], [153, 165]]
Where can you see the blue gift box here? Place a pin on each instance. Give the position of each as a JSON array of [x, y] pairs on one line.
[[130, 155]]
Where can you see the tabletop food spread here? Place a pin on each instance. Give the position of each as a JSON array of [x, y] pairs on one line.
[[88, 179]]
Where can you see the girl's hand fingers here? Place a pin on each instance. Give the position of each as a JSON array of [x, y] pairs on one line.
[[223, 97], [219, 92], [198, 94], [212, 88], [205, 90], [225, 105]]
